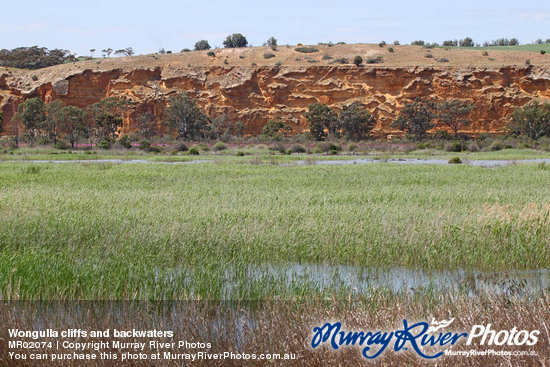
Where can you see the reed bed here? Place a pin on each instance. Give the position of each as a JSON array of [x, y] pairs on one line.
[[88, 231]]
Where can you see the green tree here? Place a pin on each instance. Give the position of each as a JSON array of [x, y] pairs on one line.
[[450, 43], [416, 118], [355, 121], [238, 130], [16, 128], [202, 45], [271, 42], [186, 117], [275, 127], [146, 124], [52, 119], [466, 42], [235, 40], [71, 123], [532, 120], [34, 57], [358, 60], [32, 115], [107, 52], [107, 125], [454, 113], [321, 117], [107, 116], [222, 128]]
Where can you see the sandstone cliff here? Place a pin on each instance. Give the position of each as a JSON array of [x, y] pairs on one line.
[[255, 94]]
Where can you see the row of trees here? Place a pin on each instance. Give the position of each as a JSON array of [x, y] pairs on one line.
[[128, 51], [466, 42], [34, 57], [416, 118], [469, 42], [102, 121], [36, 120], [353, 122], [40, 57], [419, 116], [184, 116], [502, 42], [232, 41], [532, 120]]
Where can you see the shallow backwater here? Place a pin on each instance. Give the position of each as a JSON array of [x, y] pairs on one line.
[[341, 162], [478, 163], [399, 280], [114, 161], [365, 281]]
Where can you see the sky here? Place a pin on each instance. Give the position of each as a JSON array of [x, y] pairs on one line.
[[147, 26]]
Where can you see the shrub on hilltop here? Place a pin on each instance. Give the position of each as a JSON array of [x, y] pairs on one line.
[[202, 45], [235, 40]]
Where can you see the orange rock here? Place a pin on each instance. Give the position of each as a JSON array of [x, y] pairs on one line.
[[255, 94]]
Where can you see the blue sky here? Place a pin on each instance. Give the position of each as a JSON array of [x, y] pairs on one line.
[[149, 25]]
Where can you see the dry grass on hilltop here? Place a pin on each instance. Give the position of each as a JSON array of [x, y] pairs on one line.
[[403, 56]]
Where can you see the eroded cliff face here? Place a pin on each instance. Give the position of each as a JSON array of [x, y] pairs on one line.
[[256, 94]]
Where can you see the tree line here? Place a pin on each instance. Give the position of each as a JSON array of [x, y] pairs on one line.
[[34, 57], [416, 118], [354, 122], [190, 122], [35, 120], [101, 121], [419, 116]]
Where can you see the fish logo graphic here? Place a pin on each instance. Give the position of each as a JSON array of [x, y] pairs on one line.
[[439, 325]]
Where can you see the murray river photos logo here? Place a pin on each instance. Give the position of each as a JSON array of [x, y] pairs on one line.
[[418, 337]]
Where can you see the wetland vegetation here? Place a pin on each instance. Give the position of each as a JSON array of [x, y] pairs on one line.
[[109, 231]]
